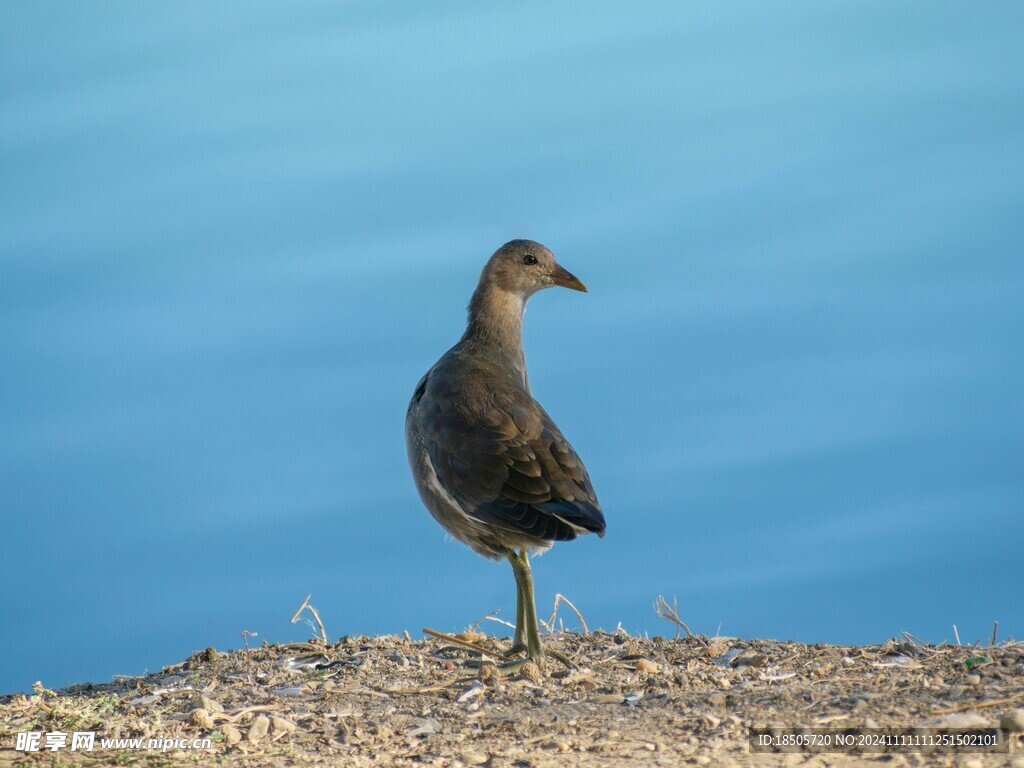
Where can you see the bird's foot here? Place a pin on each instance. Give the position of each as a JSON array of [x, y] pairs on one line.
[[517, 647], [520, 665], [569, 663], [538, 660]]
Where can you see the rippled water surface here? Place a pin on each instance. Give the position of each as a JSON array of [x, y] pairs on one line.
[[232, 238]]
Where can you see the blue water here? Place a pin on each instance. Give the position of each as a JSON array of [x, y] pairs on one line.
[[233, 236]]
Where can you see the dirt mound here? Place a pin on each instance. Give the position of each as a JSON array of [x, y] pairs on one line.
[[390, 700]]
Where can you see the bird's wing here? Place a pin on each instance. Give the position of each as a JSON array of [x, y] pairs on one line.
[[511, 467]]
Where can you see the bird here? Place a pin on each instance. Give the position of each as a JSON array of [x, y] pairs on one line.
[[490, 464]]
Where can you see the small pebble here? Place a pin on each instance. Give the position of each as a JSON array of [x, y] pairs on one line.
[[1013, 721], [210, 705], [202, 718], [294, 690], [960, 720], [749, 660], [973, 679], [142, 701], [474, 689], [475, 758], [259, 728], [425, 727], [280, 726], [231, 735], [646, 666]]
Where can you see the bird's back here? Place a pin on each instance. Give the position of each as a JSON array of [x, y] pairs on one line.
[[490, 463]]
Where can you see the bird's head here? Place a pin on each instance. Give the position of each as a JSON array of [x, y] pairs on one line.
[[524, 267]]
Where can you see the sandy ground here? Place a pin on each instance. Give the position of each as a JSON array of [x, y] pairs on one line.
[[629, 701]]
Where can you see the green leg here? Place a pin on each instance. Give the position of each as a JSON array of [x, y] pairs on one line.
[[519, 640], [534, 648], [527, 626]]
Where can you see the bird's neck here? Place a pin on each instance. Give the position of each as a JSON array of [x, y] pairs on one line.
[[495, 327]]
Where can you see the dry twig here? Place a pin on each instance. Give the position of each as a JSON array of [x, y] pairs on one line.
[[496, 620], [246, 634], [492, 616], [979, 705], [549, 625], [319, 624], [464, 643], [671, 612]]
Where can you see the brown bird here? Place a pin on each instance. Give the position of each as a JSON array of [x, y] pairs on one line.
[[488, 461]]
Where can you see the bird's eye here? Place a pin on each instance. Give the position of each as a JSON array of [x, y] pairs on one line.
[[529, 259]]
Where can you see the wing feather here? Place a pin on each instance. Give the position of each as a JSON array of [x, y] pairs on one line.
[[510, 467]]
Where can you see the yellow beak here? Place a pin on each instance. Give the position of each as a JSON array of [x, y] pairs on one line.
[[567, 279]]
